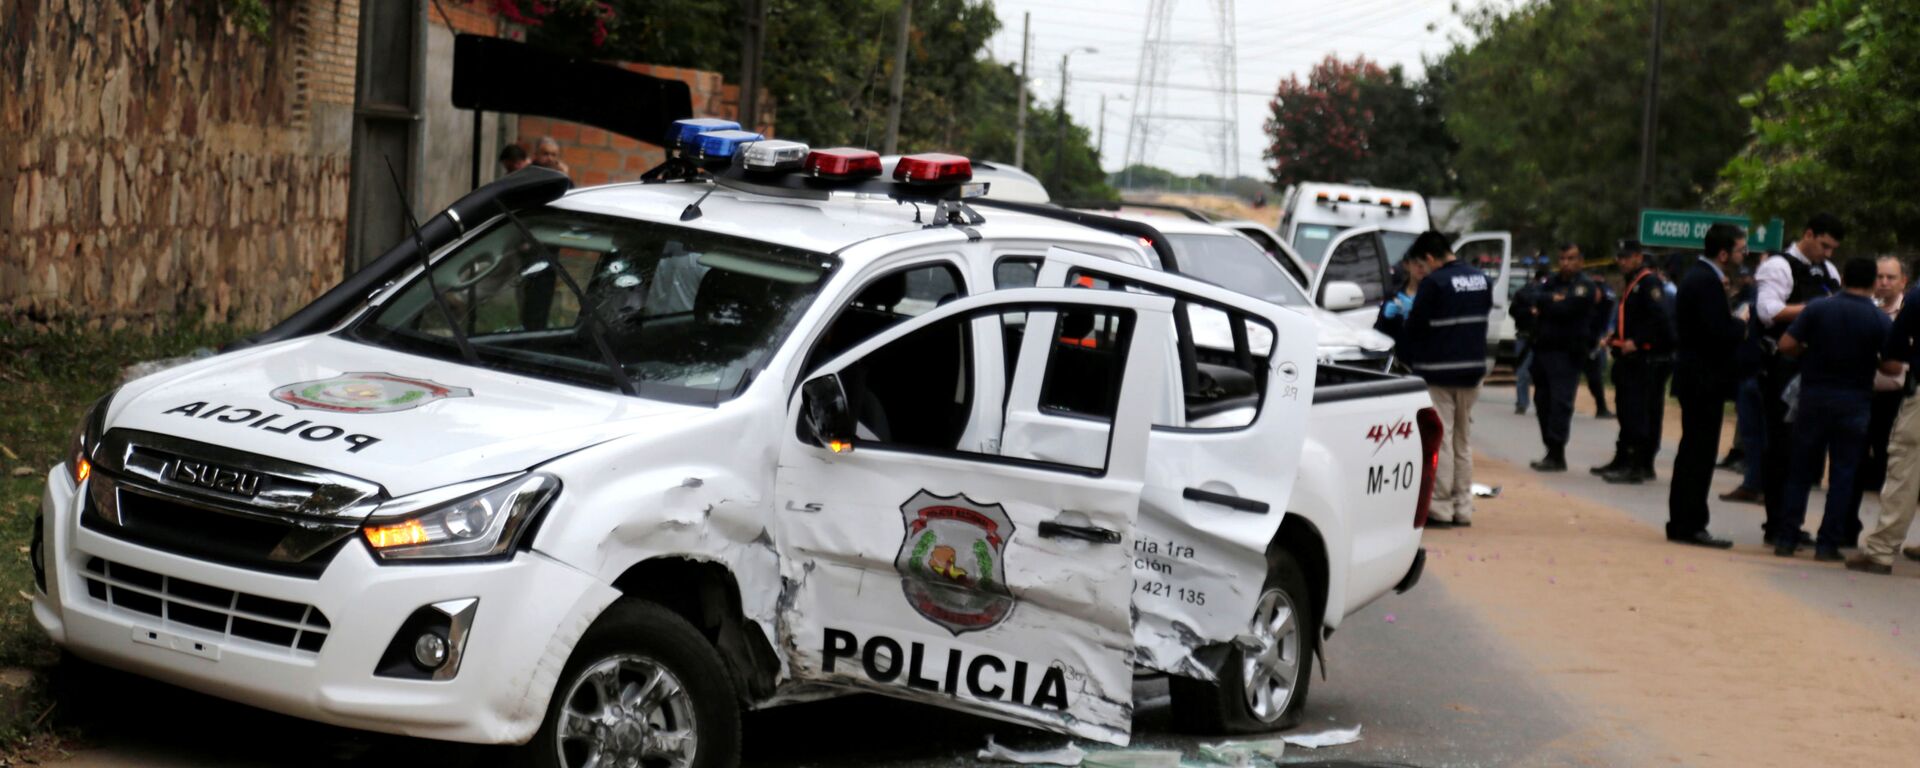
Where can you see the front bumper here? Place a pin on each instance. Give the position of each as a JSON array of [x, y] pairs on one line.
[[531, 611]]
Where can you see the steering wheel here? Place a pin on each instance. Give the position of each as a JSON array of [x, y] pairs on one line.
[[476, 270]]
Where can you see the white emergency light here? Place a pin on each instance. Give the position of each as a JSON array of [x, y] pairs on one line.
[[774, 155]]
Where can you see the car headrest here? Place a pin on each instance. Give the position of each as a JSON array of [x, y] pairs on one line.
[[731, 299], [885, 292]]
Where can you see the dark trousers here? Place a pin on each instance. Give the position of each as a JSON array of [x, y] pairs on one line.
[[1556, 375], [1594, 368], [1779, 454], [1640, 397], [1873, 466], [1701, 414], [1833, 423]]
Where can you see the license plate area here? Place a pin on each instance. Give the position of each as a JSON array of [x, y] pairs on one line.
[[170, 641]]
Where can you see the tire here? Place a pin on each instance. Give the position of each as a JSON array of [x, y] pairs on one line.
[[1225, 706], [642, 650]]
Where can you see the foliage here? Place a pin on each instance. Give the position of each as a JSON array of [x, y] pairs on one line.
[[827, 64], [1148, 177], [1352, 120], [1836, 136], [1545, 102]]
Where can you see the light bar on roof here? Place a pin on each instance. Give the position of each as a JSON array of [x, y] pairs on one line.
[[716, 145], [774, 155], [839, 163], [933, 168], [685, 132]]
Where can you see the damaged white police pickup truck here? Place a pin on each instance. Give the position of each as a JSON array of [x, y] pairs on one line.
[[627, 460]]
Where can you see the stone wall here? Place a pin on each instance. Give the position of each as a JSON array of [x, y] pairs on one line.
[[157, 162]]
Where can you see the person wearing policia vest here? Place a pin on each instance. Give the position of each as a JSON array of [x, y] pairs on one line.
[[1901, 493], [1563, 335], [1784, 284], [1444, 341], [1642, 348]]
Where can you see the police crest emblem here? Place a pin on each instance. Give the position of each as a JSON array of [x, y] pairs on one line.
[[951, 561], [365, 393]]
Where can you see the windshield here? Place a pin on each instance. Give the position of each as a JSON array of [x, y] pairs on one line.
[[1311, 241], [689, 315], [1235, 263], [1397, 244]]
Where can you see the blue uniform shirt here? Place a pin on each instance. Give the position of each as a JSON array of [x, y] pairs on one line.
[[1843, 335]]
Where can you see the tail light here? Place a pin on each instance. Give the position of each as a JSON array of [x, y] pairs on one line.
[[1431, 433]]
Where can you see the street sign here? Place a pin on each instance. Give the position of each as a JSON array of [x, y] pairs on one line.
[[1688, 229]]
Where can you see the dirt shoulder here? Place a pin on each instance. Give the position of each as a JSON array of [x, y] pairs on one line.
[[1688, 653]]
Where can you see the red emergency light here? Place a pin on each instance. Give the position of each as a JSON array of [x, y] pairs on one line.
[[842, 163], [933, 168]]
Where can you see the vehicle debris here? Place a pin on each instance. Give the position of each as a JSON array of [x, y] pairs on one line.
[[1241, 754], [999, 753], [1133, 758], [1331, 737]]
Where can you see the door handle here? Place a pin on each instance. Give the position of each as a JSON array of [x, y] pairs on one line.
[[1225, 500], [1053, 530]]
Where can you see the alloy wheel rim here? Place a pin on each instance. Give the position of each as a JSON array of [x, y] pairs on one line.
[[627, 711], [1271, 665]]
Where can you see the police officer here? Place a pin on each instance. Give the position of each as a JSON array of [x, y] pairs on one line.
[[1783, 284], [1444, 341], [1563, 335], [1642, 349]]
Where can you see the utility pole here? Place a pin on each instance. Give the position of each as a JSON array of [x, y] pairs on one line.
[[1100, 144], [752, 45], [899, 83], [1650, 111], [1060, 147], [1020, 111]]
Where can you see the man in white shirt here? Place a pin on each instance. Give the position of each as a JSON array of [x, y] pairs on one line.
[[1783, 286]]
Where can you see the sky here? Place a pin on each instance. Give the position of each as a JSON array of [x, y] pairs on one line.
[[1274, 39]]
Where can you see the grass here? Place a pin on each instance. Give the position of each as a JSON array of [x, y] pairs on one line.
[[48, 379]]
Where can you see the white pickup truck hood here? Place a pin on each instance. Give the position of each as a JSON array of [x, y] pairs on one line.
[[409, 423]]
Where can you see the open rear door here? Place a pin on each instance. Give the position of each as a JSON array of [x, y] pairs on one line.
[[991, 579], [1224, 456]]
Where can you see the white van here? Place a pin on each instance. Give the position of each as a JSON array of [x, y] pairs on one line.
[[1358, 234]]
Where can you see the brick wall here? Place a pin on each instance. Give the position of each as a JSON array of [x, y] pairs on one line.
[[158, 163], [596, 157]]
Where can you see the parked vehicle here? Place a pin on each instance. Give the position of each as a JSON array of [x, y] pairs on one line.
[[620, 463]]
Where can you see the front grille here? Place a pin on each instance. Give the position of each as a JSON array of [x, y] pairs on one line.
[[230, 539], [223, 611]]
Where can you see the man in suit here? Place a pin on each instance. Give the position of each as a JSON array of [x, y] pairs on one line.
[[1704, 377]]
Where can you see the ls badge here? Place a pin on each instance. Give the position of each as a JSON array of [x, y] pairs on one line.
[[951, 561], [365, 393]]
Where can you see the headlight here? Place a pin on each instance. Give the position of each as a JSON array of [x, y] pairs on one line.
[[481, 518], [80, 447]]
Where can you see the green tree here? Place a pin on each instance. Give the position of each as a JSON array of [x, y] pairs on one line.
[[1842, 136], [1353, 120], [1545, 102]]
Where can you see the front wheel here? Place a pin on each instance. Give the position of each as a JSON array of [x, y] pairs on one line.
[[1263, 684], [643, 689]]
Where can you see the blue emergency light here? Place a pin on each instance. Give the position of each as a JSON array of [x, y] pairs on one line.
[[685, 132], [715, 145]]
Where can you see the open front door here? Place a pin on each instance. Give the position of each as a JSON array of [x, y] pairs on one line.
[[972, 576], [1224, 459], [1359, 257], [1492, 252]]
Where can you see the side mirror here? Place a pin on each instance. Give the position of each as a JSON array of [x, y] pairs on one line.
[[1342, 295], [826, 419]]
